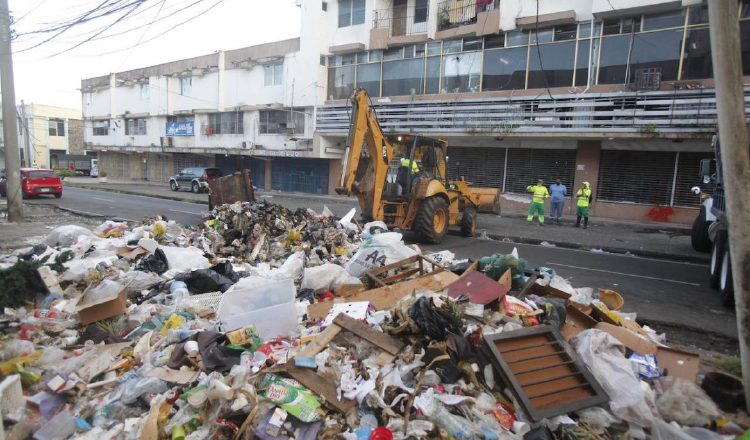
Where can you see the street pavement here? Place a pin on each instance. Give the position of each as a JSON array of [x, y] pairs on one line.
[[659, 290]]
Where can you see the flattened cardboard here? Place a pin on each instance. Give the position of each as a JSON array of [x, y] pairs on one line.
[[575, 322], [130, 253], [180, 377], [478, 287], [94, 312], [678, 363], [506, 280], [629, 339]]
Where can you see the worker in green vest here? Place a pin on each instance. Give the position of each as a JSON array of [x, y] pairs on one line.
[[411, 164], [583, 195], [540, 193]]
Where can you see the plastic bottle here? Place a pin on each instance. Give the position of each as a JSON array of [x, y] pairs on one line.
[[178, 288]]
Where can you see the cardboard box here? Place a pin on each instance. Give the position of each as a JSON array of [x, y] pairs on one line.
[[629, 339], [92, 311], [678, 363]]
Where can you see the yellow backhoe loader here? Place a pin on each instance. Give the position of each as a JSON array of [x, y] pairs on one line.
[[401, 179]]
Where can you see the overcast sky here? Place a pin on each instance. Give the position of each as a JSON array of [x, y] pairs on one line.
[[55, 80]]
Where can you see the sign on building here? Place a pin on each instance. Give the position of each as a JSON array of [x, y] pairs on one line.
[[180, 128]]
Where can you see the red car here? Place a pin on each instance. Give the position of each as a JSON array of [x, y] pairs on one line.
[[34, 182]]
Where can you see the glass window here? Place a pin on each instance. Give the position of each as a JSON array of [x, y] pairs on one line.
[[584, 30], [452, 46], [368, 77], [744, 9], [362, 57], [56, 127], [582, 62], [334, 60], [664, 20], [657, 50], [611, 26], [419, 50], [403, 77], [461, 72], [340, 82], [135, 127], [186, 86], [101, 128], [557, 60], [543, 35], [494, 41], [433, 75], [376, 55], [347, 59], [351, 12], [565, 32], [631, 25], [393, 54], [504, 69], [144, 91], [613, 59], [698, 14], [273, 74], [434, 48], [281, 121], [420, 11], [517, 38], [226, 123], [358, 12], [697, 61], [472, 44]]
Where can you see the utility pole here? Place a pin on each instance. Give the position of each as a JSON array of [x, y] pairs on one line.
[[10, 126], [26, 136], [735, 160]]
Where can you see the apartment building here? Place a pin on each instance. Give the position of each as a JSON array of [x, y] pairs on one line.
[[618, 93], [45, 132]]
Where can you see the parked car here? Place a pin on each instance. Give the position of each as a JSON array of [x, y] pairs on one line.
[[194, 179], [35, 182]]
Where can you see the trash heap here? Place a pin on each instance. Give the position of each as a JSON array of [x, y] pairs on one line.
[[264, 323]]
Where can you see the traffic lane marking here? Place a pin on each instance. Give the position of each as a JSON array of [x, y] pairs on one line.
[[625, 274]]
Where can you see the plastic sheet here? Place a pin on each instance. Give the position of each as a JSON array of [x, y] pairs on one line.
[[184, 259], [686, 403], [327, 276], [378, 251], [66, 235]]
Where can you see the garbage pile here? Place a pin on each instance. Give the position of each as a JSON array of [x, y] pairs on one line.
[[263, 323]]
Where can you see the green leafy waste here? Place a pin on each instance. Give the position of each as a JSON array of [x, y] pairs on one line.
[[21, 283]]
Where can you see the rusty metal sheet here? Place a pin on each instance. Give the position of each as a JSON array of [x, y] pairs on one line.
[[229, 189]]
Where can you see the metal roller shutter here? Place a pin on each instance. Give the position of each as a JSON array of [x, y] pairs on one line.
[[688, 176], [186, 160], [481, 166], [526, 166], [636, 177], [302, 175]]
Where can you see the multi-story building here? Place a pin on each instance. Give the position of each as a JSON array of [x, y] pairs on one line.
[[45, 132], [618, 93]]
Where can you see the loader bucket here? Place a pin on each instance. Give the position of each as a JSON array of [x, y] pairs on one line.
[[486, 199]]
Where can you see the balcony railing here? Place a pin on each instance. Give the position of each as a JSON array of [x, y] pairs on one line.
[[400, 24], [454, 13], [645, 114]]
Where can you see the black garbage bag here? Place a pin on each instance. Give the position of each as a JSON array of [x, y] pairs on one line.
[[205, 281], [433, 321], [156, 262], [460, 268], [555, 311], [442, 364], [225, 268]]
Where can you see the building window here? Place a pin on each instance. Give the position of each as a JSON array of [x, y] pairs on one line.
[[504, 69], [273, 74], [697, 57], [340, 82], [351, 12], [101, 128], [660, 50], [420, 11], [186, 86], [288, 121], [368, 77], [461, 72], [225, 123], [404, 77], [135, 127], [56, 127], [557, 61]]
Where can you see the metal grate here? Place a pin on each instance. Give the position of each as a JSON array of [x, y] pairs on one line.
[[647, 79], [480, 166], [182, 161], [526, 166], [688, 176], [636, 177], [300, 175]]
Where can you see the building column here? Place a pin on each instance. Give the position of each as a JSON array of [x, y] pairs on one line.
[[587, 170], [267, 174]]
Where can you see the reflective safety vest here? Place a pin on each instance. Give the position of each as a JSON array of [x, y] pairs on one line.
[[408, 163], [540, 192], [583, 196]]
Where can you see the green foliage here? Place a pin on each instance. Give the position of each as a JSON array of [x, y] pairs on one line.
[[20, 284], [62, 172], [102, 174], [732, 366]]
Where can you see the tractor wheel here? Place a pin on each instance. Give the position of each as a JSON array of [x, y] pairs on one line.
[[699, 233], [469, 221], [431, 222], [717, 254], [726, 286]]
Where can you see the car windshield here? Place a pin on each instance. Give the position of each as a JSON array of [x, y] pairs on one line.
[[213, 172], [40, 174]]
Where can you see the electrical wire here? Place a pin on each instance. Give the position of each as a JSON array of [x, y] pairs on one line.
[[539, 52], [144, 33]]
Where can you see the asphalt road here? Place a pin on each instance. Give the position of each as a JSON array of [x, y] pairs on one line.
[[658, 290]]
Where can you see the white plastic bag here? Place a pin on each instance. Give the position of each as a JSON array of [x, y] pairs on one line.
[[685, 403], [292, 267], [378, 251], [135, 280], [66, 235], [184, 259], [605, 358], [328, 276]]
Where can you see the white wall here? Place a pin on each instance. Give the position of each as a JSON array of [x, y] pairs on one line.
[[96, 103]]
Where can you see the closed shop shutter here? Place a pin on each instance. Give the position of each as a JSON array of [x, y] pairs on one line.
[[636, 177], [527, 165], [302, 175], [481, 166], [182, 161], [688, 176]]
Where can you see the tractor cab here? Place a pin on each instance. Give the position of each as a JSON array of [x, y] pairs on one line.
[[414, 157]]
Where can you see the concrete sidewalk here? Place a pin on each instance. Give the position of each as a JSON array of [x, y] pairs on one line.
[[648, 239]]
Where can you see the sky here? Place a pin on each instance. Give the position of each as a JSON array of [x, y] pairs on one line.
[[42, 77]]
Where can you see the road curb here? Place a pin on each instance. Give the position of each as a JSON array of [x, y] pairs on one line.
[[137, 193], [84, 213]]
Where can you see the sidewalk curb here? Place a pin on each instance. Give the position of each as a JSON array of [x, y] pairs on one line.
[[136, 193], [84, 213]]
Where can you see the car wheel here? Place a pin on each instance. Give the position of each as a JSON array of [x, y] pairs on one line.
[[57, 196], [717, 253], [196, 187], [173, 185], [726, 286], [699, 233]]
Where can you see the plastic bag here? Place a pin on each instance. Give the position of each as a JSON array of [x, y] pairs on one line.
[[291, 396], [135, 281], [328, 276], [184, 259], [78, 269], [205, 281], [135, 388], [293, 267], [495, 266], [104, 291], [111, 229], [604, 356], [687, 404], [378, 251], [17, 348], [597, 419], [66, 235], [433, 321], [156, 263]]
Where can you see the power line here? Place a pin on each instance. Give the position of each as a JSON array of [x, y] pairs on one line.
[[539, 51], [144, 33]]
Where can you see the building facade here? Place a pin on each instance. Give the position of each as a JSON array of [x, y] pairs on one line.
[[45, 132], [618, 93]]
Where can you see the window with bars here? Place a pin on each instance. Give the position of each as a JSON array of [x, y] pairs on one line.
[[136, 127], [527, 165], [101, 128], [281, 121], [56, 127], [225, 123]]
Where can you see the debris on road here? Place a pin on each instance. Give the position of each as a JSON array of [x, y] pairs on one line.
[[274, 324]]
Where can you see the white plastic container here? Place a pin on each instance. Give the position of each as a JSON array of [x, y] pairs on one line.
[[255, 293], [270, 322]]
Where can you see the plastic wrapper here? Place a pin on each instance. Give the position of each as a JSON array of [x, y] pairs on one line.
[[327, 276], [102, 292], [378, 251], [110, 229], [431, 320], [135, 281], [66, 235], [137, 387], [456, 426], [495, 266], [291, 396], [78, 269], [645, 365], [183, 259], [686, 403], [205, 281], [604, 356], [17, 348], [156, 262], [597, 419]]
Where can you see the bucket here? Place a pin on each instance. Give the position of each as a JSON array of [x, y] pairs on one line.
[[611, 299]]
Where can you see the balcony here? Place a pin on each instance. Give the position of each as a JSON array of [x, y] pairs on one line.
[[398, 26], [457, 18]]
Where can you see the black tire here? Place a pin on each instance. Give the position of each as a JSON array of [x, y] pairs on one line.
[[726, 286], [424, 222], [717, 254], [57, 196], [699, 233], [196, 188], [469, 222], [173, 186]]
